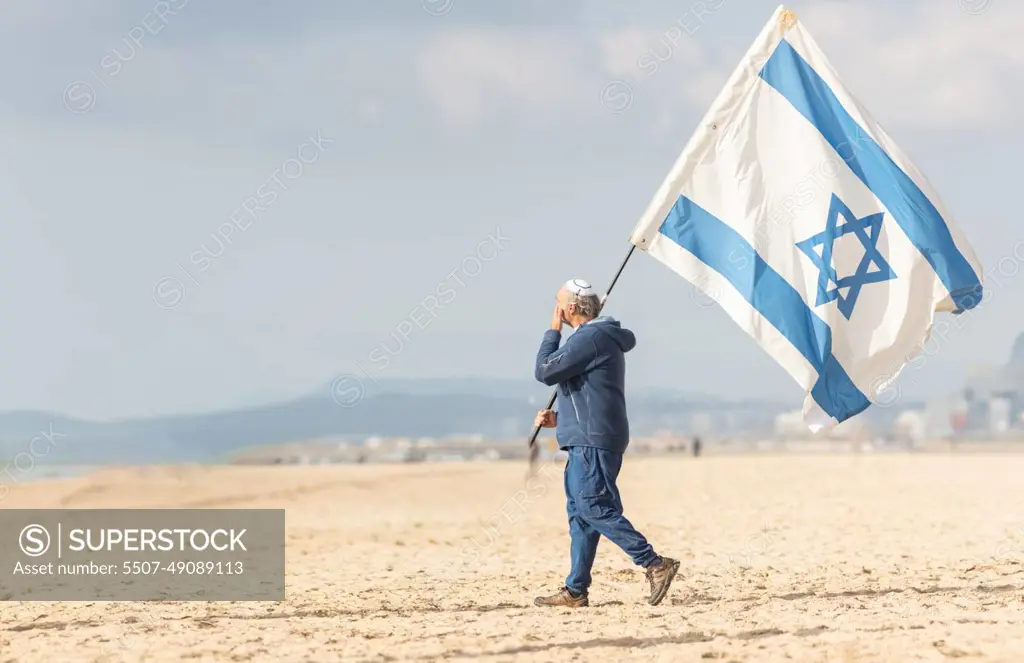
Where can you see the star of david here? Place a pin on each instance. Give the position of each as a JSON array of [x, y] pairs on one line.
[[867, 230]]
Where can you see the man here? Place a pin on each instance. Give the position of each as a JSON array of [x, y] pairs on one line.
[[591, 426]]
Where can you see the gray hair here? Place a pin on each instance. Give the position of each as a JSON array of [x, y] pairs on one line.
[[587, 306]]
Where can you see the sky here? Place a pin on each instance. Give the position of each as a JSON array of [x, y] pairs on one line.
[[218, 205]]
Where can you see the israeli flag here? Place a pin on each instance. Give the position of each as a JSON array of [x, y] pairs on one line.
[[797, 213]]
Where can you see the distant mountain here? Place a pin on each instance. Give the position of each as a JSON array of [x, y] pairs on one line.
[[498, 387], [406, 408]]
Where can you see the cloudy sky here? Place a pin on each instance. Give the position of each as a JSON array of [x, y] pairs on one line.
[[209, 205]]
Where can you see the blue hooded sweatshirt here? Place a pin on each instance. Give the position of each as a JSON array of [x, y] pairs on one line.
[[590, 371]]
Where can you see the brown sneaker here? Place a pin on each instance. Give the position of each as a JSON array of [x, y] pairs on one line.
[[563, 599], [660, 576]]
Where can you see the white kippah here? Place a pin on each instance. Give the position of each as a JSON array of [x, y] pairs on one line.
[[579, 287]]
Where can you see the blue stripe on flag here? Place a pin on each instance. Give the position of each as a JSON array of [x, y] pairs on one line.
[[724, 250], [789, 73]]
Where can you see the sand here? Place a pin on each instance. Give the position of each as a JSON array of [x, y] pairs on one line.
[[784, 558]]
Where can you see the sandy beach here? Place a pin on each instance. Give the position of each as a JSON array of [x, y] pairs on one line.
[[784, 558]]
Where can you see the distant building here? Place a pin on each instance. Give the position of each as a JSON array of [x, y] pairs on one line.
[[911, 425], [992, 400], [791, 424]]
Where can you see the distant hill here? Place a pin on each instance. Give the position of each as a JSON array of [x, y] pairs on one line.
[[408, 408]]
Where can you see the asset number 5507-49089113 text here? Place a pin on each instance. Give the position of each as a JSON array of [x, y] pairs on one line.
[[182, 568]]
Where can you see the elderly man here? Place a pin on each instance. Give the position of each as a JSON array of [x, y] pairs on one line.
[[591, 426]]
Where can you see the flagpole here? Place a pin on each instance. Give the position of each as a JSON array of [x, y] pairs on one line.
[[534, 451]]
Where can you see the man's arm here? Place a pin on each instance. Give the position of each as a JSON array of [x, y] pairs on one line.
[[556, 365]]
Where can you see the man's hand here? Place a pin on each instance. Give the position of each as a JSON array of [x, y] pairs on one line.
[[546, 419], [557, 318]]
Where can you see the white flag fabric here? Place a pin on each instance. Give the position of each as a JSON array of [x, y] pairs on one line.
[[796, 212]]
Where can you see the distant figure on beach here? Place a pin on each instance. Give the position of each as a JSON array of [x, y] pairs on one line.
[[591, 425], [696, 446]]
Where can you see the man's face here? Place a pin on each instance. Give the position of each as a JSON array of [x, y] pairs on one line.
[[562, 299]]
